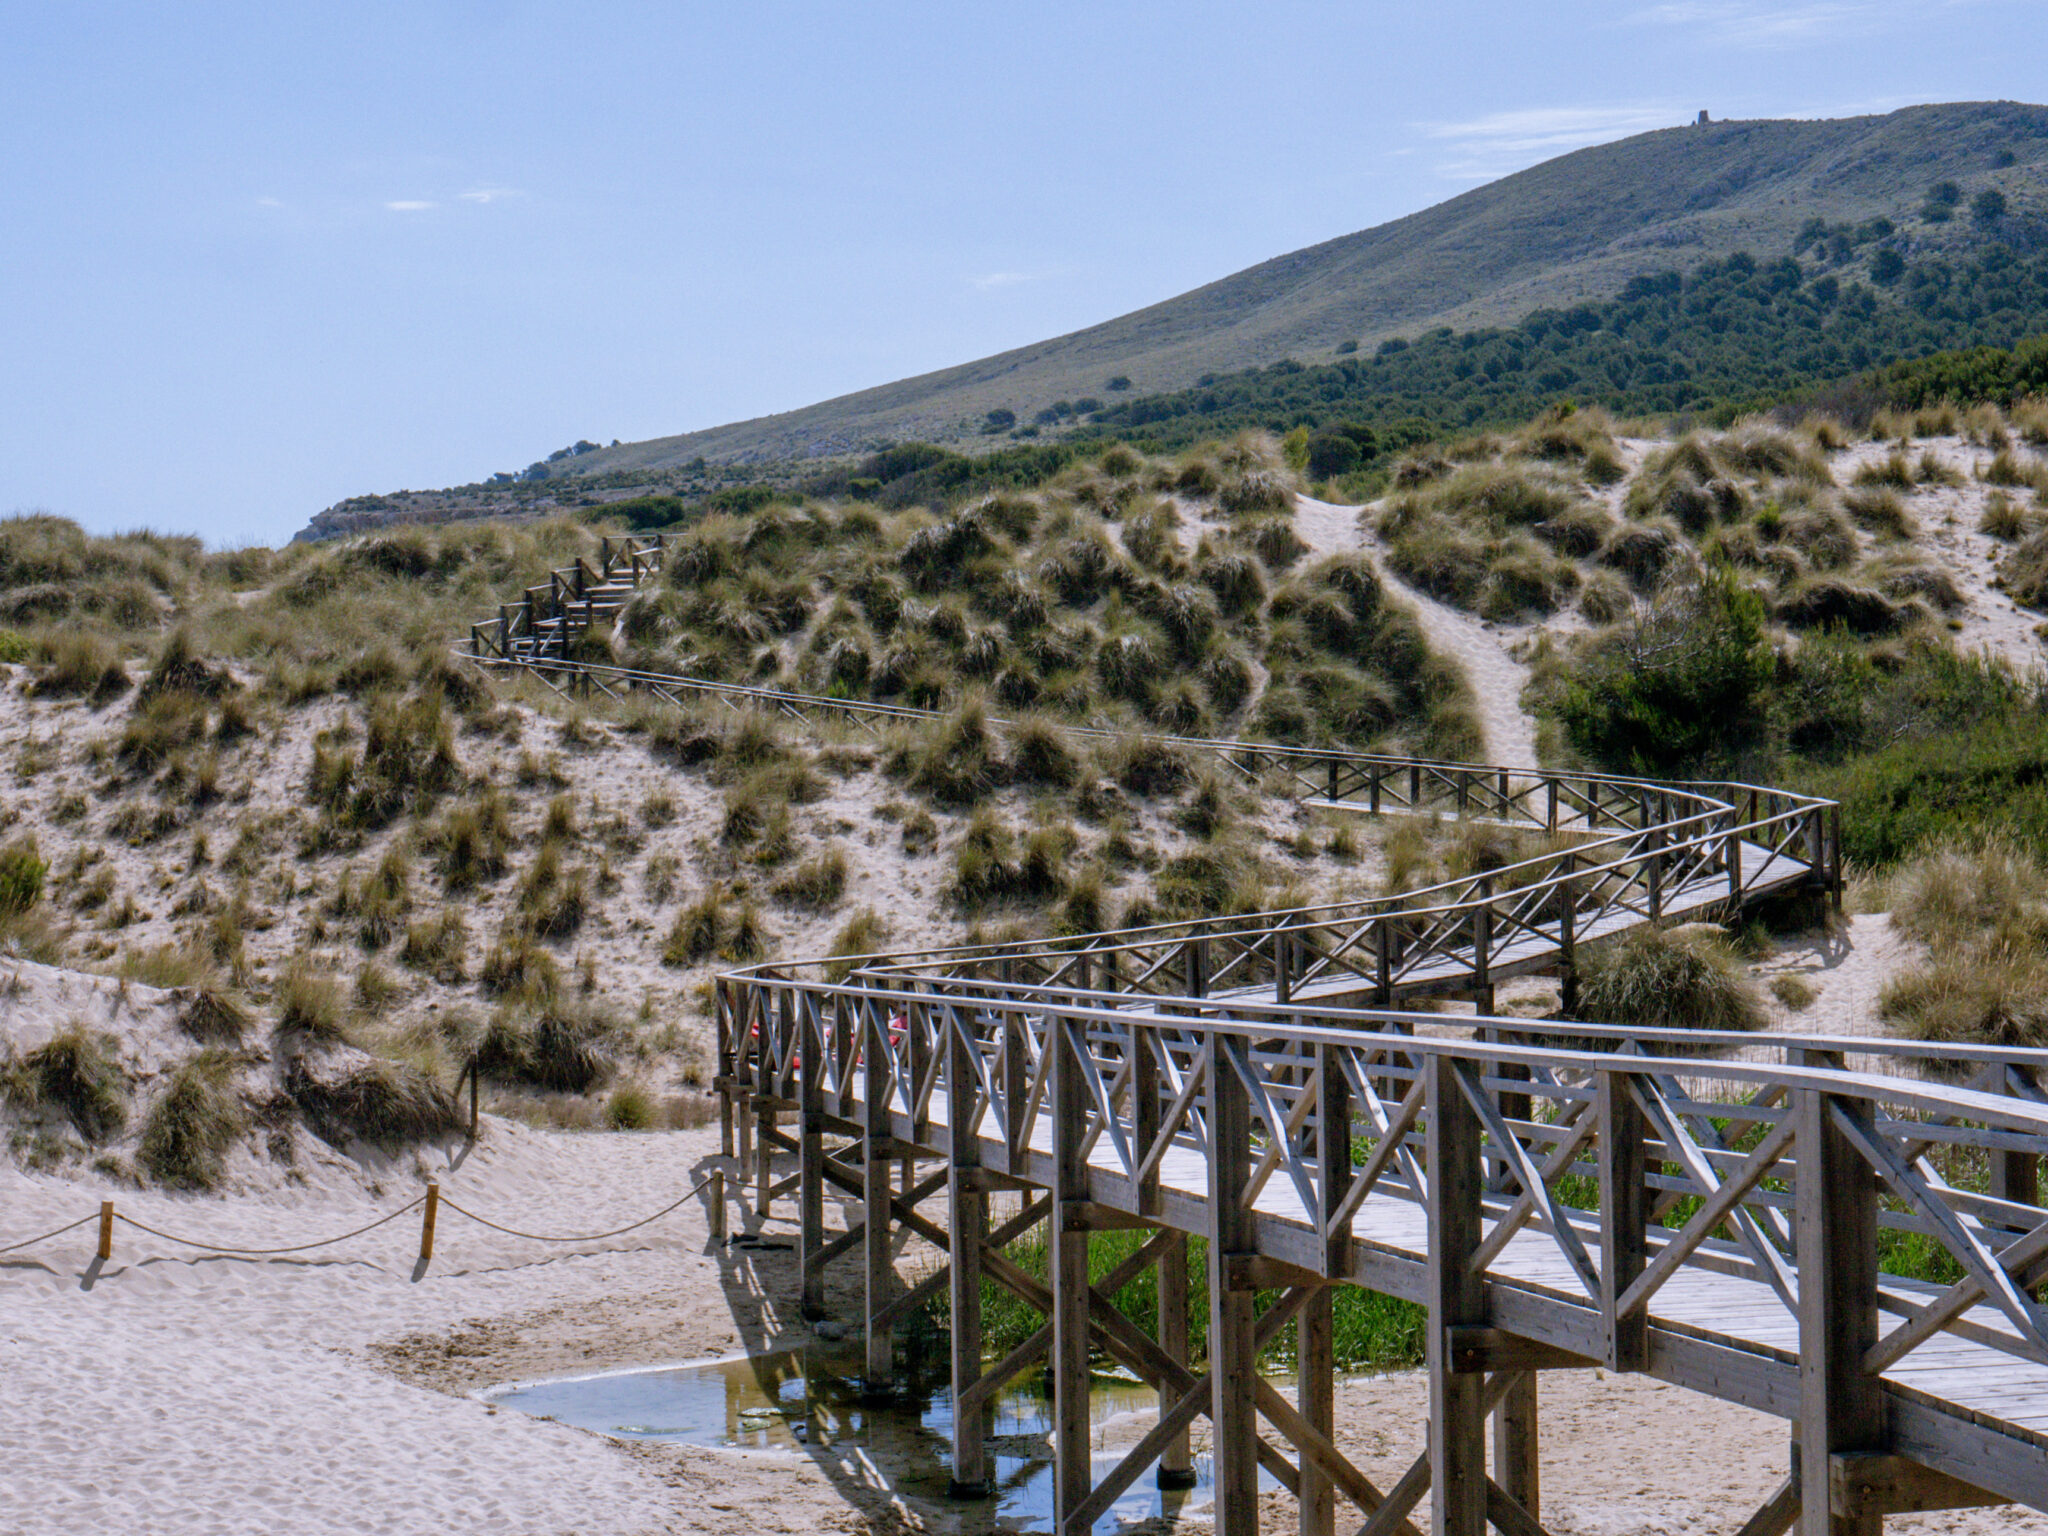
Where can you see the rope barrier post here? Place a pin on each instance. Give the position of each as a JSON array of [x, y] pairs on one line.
[[718, 1206], [106, 1248], [431, 1209]]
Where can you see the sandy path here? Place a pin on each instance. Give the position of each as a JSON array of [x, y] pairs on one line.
[[1481, 648]]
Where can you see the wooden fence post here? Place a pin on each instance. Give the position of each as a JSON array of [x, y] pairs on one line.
[[967, 1225], [106, 1247], [428, 1213], [717, 1214], [1841, 1406], [1625, 1220], [1457, 1401], [1233, 1349], [1067, 1239], [811, 1048], [880, 1365]]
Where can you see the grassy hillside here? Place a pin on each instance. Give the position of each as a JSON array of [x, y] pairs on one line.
[[1573, 229]]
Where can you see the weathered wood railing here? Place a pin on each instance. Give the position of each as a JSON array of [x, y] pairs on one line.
[[1723, 1225], [546, 620]]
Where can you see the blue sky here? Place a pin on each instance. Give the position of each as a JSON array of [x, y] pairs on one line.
[[255, 258]]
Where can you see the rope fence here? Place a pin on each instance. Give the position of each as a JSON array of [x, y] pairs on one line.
[[429, 1204]]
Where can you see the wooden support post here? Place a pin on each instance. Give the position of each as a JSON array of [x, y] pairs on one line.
[[1233, 1349], [2016, 1176], [967, 1225], [1841, 1406], [1177, 1461], [1482, 938], [1457, 1405], [1567, 939], [1315, 1395], [1283, 946], [1383, 961], [717, 1215], [1196, 954], [428, 1212], [722, 1004], [1373, 801], [880, 1367], [1625, 1224], [1517, 1466], [764, 1160], [105, 1250], [811, 1164], [1073, 1470]]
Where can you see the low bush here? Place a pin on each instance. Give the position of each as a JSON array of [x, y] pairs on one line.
[[385, 1104], [1658, 979], [213, 1016], [990, 865], [954, 759], [1880, 512], [865, 933], [630, 1108], [1996, 996], [1995, 893], [193, 1124], [2024, 573], [23, 873], [517, 967], [74, 1075], [2004, 519], [81, 665], [312, 1011], [817, 883], [1144, 766]]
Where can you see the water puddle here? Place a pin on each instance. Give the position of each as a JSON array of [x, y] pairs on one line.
[[808, 1402]]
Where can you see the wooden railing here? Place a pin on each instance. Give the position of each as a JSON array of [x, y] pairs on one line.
[[545, 622], [1562, 1192]]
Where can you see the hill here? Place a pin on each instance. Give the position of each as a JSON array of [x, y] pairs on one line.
[[1571, 229]]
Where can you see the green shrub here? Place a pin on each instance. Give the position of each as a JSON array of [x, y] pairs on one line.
[[698, 930], [864, 934], [384, 1104], [1677, 688], [1972, 997], [74, 1074], [23, 872], [954, 759], [14, 647], [630, 1108], [2024, 572], [193, 1124], [81, 664], [312, 1013], [819, 882], [1934, 788], [1880, 512], [1654, 979], [2003, 519]]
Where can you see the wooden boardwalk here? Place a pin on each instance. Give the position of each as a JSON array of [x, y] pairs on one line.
[[1554, 1196], [1348, 1153]]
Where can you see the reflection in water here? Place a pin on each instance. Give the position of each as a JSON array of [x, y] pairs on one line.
[[809, 1401]]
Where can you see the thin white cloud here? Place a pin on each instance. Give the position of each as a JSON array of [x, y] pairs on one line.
[[1500, 142], [409, 205], [1762, 23], [269, 202], [487, 194], [1004, 279]]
